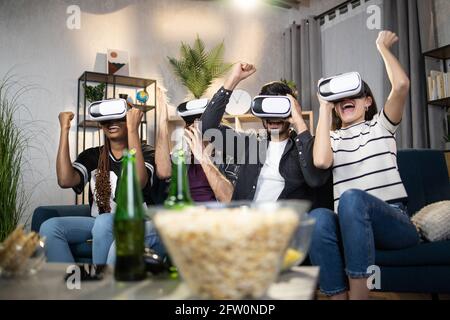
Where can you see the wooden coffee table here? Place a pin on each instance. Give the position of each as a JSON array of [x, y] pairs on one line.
[[298, 284]]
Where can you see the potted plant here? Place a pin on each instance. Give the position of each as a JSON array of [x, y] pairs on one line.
[[291, 84], [13, 142], [197, 68], [94, 93]]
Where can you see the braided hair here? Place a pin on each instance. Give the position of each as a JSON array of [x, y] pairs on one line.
[[102, 182]]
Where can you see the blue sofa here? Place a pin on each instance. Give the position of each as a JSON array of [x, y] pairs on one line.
[[422, 269], [82, 252], [426, 267]]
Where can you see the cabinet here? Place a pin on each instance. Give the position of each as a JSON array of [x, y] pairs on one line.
[[89, 133], [440, 54]]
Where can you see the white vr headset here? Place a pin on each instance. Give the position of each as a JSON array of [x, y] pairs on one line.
[[106, 110], [347, 85], [191, 110], [271, 107]]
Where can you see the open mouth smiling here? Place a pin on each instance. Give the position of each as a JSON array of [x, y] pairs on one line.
[[113, 128], [348, 107], [274, 124]]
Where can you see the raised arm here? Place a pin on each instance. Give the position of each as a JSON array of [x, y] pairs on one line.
[[213, 114], [66, 174], [323, 154], [221, 186], [395, 103], [134, 117], [223, 189], [314, 176], [162, 149]]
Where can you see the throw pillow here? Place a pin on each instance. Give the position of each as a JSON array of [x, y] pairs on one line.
[[433, 221]]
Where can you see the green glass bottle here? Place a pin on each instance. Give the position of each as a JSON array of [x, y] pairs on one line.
[[129, 224], [179, 195]]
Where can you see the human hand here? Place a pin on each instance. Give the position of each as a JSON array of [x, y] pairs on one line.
[[296, 118], [134, 117], [296, 110], [386, 39], [325, 105], [193, 138], [239, 72], [162, 105], [64, 119]]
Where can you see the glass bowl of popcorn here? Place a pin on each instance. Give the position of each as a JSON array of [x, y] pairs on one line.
[[299, 245], [230, 251]]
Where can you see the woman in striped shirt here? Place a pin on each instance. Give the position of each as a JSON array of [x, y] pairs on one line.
[[369, 196]]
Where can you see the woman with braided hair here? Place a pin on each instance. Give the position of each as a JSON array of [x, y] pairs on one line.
[[100, 167]]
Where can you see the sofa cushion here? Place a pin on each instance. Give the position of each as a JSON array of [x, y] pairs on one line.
[[424, 174], [43, 213], [433, 221], [427, 253], [423, 279]]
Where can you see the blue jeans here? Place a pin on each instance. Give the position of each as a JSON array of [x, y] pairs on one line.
[[63, 231], [344, 244], [151, 240]]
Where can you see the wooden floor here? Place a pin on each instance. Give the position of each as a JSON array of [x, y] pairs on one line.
[[395, 296]]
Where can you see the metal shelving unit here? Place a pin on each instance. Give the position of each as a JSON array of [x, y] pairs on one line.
[[443, 54], [113, 83]]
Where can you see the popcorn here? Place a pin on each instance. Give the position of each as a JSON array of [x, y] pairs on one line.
[[16, 249], [227, 253]]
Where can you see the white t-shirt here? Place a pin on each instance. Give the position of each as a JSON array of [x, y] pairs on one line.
[[270, 182]]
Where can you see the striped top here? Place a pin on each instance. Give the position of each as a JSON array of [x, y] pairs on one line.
[[365, 158]]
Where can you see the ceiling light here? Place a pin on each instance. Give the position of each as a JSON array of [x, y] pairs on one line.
[[245, 4]]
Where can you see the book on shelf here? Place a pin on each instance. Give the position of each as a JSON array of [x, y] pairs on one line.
[[446, 84], [430, 87], [438, 85]]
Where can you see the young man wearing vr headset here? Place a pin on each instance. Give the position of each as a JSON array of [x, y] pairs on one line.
[[208, 181], [281, 166], [100, 167]]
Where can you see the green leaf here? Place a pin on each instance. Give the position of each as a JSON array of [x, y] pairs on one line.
[[13, 143], [196, 68]]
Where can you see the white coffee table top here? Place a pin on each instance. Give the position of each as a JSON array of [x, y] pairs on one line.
[[298, 284]]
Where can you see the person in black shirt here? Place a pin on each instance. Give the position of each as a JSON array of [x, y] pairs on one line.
[[281, 165], [100, 167]]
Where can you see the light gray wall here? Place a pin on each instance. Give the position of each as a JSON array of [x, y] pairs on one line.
[[36, 43], [434, 23], [442, 21]]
